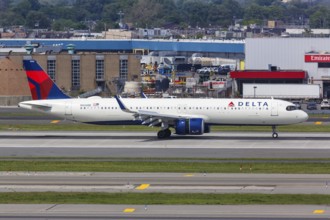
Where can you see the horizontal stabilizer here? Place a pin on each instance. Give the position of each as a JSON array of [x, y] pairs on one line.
[[29, 105]]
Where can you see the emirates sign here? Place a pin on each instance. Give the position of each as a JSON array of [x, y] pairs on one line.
[[317, 58]]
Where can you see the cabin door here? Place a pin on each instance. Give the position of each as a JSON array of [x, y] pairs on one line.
[[68, 110], [274, 108]]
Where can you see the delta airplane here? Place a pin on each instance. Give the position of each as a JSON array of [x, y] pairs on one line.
[[185, 116]]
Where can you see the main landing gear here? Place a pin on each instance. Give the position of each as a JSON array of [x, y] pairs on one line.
[[164, 133], [275, 135]]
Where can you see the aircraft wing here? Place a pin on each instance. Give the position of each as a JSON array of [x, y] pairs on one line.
[[156, 114], [151, 118]]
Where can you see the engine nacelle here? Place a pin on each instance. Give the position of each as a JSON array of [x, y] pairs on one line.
[[194, 126]]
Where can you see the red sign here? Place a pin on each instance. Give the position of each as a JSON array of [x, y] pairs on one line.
[[317, 58]]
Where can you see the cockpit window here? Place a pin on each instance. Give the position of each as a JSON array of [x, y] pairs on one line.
[[291, 108]]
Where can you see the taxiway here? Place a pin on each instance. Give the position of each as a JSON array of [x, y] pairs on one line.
[[241, 212], [164, 182]]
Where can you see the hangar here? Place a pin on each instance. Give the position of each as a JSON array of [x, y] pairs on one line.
[[308, 54]]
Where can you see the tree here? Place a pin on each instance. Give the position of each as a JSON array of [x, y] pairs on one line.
[[275, 13], [145, 12], [65, 25], [320, 19], [256, 12], [36, 19], [195, 12], [110, 12], [10, 18], [234, 8], [35, 4], [4, 5], [23, 8], [264, 2]]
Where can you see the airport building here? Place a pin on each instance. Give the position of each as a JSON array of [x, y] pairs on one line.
[[79, 66], [73, 73], [307, 54]]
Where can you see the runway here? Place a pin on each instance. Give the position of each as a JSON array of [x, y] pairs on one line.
[[242, 212], [146, 145], [164, 182]]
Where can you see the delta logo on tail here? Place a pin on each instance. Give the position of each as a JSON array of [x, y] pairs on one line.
[[41, 86]]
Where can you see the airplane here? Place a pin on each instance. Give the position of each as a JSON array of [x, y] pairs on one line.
[[186, 116]]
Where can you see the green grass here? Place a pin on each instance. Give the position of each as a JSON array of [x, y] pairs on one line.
[[87, 127], [73, 127], [285, 128], [160, 198], [319, 115], [244, 166]]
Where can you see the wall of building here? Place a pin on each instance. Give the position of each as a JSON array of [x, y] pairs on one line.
[[87, 72], [14, 82], [288, 54], [88, 69]]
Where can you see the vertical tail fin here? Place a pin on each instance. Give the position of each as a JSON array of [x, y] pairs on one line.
[[41, 85]]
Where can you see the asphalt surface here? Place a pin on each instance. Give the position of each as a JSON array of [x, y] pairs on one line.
[[164, 182], [146, 145], [243, 212]]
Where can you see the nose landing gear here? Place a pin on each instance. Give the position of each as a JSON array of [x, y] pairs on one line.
[[275, 134]]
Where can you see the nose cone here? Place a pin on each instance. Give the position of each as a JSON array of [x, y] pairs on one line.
[[303, 116]]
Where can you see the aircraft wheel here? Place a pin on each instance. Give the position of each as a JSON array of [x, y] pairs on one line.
[[275, 135], [167, 132], [161, 134]]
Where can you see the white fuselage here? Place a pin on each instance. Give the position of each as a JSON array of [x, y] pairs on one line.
[[213, 111]]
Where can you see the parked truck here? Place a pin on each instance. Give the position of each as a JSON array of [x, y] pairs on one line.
[[282, 91]]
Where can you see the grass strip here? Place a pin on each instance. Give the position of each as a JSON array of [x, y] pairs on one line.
[[73, 127], [160, 198], [321, 167], [87, 127]]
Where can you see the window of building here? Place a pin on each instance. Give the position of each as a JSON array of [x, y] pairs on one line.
[[324, 65], [75, 73], [51, 69], [99, 67], [123, 69]]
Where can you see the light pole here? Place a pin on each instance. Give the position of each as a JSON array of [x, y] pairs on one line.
[[254, 91]]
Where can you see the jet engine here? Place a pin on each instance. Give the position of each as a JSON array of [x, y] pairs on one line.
[[194, 126]]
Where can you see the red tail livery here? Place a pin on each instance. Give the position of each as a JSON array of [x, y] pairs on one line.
[[41, 85]]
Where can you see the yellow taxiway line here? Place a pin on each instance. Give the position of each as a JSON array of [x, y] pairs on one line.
[[142, 186], [129, 210], [318, 211]]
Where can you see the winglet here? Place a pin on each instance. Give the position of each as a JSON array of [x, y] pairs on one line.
[[122, 105], [143, 95], [41, 85]]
